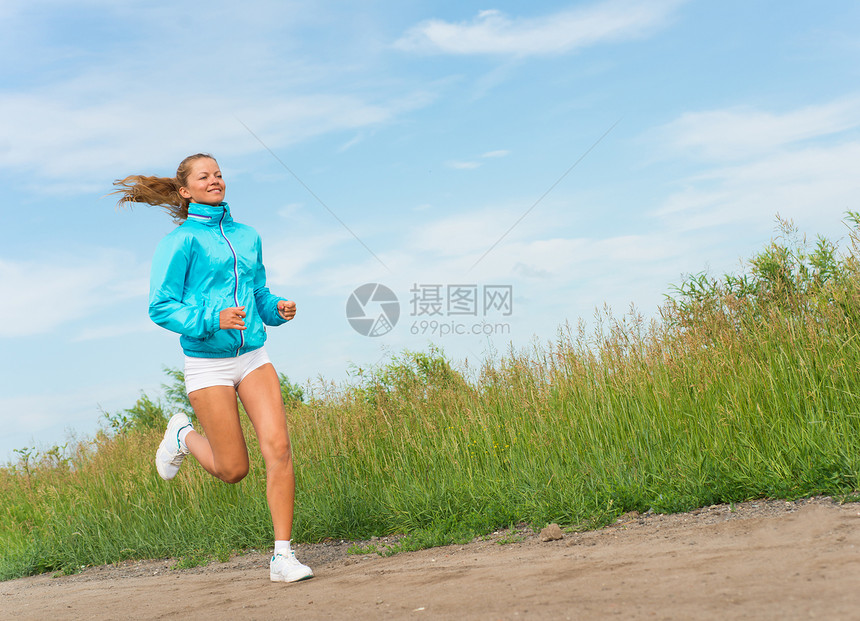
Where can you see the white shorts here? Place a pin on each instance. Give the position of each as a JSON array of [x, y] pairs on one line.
[[206, 372]]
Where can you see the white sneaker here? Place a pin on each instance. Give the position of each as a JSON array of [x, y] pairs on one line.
[[285, 567], [170, 452]]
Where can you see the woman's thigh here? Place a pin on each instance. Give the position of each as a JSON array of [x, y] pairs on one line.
[[218, 412], [260, 393]]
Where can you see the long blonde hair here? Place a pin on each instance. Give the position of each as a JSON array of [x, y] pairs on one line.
[[159, 191]]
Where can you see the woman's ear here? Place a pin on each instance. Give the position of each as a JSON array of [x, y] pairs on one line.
[[184, 193]]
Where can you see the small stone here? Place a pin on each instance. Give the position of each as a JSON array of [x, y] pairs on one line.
[[551, 533]]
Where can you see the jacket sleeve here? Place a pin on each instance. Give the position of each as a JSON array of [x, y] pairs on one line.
[[168, 306], [267, 302]]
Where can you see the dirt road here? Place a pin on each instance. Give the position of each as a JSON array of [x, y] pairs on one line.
[[758, 560]]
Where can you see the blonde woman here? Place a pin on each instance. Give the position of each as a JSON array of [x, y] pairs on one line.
[[208, 284]]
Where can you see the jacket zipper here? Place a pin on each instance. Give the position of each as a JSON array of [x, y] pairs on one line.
[[235, 276]]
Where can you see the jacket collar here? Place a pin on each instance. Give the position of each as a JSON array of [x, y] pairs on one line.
[[210, 215]]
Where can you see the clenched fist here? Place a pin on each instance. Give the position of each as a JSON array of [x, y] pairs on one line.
[[287, 309], [232, 318]]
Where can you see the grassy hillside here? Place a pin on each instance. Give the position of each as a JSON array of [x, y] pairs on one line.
[[746, 386]]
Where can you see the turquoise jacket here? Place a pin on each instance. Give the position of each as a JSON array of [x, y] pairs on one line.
[[205, 265]]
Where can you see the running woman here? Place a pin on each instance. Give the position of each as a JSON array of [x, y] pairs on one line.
[[208, 284]]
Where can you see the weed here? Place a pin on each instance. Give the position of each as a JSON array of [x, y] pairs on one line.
[[195, 559], [365, 549]]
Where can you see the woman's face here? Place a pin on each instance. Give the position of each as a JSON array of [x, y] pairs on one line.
[[204, 184]]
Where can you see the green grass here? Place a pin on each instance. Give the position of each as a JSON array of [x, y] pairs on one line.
[[747, 386]]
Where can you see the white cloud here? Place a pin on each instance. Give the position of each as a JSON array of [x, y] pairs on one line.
[[492, 32], [37, 412], [54, 418], [810, 186], [466, 234], [742, 132], [433, 249], [460, 165], [115, 330], [42, 295], [800, 164], [103, 135], [140, 102], [472, 165], [335, 279], [289, 261], [350, 143], [586, 258], [446, 249]]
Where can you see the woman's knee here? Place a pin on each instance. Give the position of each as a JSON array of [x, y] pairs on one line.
[[278, 458], [276, 449], [233, 473]]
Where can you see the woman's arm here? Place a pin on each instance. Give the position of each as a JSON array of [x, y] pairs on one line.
[[168, 305]]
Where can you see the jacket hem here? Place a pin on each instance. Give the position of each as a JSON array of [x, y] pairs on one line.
[[220, 354]]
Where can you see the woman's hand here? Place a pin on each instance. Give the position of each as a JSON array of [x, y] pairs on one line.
[[287, 309], [232, 318]]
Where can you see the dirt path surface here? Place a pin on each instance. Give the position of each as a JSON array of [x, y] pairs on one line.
[[757, 560]]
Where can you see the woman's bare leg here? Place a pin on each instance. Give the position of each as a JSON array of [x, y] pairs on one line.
[[222, 452], [260, 393]]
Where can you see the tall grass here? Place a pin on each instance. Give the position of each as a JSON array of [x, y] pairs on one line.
[[745, 386]]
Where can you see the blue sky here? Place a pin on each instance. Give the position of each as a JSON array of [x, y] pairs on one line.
[[398, 143]]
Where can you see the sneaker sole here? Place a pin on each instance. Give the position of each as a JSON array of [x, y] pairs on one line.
[[276, 578], [158, 463]]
